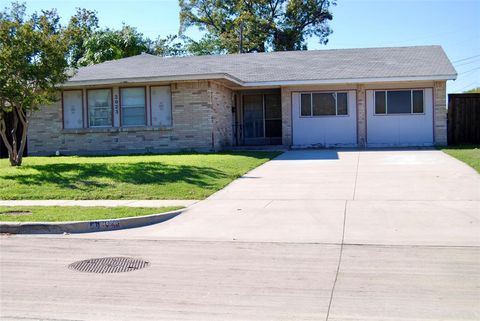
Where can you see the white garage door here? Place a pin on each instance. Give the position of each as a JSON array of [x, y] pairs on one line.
[[399, 117], [326, 119]]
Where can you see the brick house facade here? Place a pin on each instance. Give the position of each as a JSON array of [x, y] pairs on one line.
[[214, 102]]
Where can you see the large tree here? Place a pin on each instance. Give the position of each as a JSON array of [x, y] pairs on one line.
[[267, 24], [82, 25], [33, 62], [109, 44]]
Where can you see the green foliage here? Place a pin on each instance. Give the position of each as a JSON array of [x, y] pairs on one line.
[[75, 213], [81, 27], [169, 46], [267, 24], [208, 45], [169, 176], [110, 44], [473, 91], [32, 58], [33, 62]]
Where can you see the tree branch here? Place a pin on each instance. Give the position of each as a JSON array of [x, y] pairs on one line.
[[21, 115], [3, 134]]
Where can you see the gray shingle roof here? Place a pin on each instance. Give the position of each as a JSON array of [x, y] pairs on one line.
[[429, 62]]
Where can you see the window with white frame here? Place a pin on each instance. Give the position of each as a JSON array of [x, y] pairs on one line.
[[389, 102], [133, 106], [99, 107], [324, 104], [72, 109]]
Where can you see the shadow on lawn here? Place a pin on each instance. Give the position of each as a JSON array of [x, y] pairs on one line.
[[83, 176]]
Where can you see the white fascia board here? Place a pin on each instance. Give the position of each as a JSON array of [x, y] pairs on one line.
[[255, 84], [151, 79], [347, 81]]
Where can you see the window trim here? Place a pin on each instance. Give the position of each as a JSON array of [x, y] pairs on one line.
[[150, 106], [336, 92], [120, 105], [386, 101], [88, 115], [63, 108]]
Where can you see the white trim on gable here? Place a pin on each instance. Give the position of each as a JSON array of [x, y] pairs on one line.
[[259, 83], [151, 79]]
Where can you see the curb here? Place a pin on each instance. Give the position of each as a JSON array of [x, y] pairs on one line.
[[85, 226]]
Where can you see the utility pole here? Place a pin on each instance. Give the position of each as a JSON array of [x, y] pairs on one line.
[[240, 44]]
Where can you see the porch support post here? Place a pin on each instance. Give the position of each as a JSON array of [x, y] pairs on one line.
[[440, 113], [361, 117], [286, 116]]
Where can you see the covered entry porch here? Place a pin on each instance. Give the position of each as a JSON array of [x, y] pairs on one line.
[[257, 117]]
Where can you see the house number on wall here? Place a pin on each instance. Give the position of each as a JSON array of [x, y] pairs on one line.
[[115, 103]]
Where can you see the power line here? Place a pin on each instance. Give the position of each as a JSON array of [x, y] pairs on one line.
[[465, 87], [467, 71], [473, 84], [466, 63], [466, 58]]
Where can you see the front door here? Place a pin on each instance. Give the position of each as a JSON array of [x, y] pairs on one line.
[[262, 123]]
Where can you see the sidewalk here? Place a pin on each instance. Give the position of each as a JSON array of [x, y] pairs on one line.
[[106, 203]]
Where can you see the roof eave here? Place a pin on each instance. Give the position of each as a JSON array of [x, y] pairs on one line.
[[348, 80], [258, 83], [94, 82]]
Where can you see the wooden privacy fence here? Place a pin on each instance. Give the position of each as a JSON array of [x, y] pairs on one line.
[[463, 119]]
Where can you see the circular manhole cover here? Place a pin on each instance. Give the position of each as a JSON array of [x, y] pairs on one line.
[[109, 265]]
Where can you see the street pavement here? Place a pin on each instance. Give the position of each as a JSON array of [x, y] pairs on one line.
[[311, 235]]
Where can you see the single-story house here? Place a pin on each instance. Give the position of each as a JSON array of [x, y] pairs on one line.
[[374, 97]]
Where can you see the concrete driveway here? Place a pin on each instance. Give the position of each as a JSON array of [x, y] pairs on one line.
[[421, 197], [311, 235]]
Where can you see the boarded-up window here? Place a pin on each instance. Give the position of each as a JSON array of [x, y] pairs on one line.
[[72, 109], [161, 99]]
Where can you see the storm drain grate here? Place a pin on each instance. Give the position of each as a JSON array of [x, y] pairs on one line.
[[109, 265]]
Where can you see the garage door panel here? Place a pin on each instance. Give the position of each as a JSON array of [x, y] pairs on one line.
[[328, 131], [400, 129]]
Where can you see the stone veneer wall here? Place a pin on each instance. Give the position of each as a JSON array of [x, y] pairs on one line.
[[440, 120], [222, 100], [192, 111], [361, 117], [286, 93]]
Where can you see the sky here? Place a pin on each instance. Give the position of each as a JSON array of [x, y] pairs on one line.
[[453, 24]]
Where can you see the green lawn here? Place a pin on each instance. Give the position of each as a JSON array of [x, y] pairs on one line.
[[74, 213], [166, 176], [469, 154]]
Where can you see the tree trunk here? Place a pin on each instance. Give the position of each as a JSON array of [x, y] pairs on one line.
[[15, 150]]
